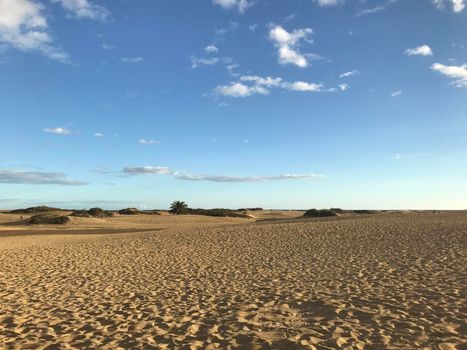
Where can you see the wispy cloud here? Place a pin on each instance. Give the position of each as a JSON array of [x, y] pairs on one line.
[[59, 131], [328, 2], [211, 178], [108, 47], [240, 90], [98, 134], [349, 74], [239, 5], [147, 170], [132, 59], [196, 61], [344, 87], [458, 73], [423, 50], [396, 93], [9, 176], [457, 5], [287, 44], [148, 142], [162, 170], [84, 9], [376, 9], [252, 84], [23, 26]]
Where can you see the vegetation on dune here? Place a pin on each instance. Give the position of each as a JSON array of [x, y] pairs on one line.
[[181, 208], [129, 211], [217, 212], [364, 211], [48, 219], [135, 211], [92, 213], [319, 213], [35, 210]]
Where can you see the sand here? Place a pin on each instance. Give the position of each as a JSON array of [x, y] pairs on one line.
[[393, 281]]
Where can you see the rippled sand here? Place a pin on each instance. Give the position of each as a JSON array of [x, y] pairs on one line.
[[394, 281]]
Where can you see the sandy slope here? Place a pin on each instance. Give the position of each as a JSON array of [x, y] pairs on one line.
[[381, 282]]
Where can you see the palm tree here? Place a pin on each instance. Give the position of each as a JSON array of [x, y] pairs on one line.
[[177, 207]]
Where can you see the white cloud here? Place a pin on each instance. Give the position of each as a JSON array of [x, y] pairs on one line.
[[349, 74], [458, 73], [457, 5], [302, 86], [344, 87], [84, 9], [59, 131], [267, 81], [24, 27], [211, 49], [240, 90], [98, 134], [132, 59], [148, 142], [239, 5], [328, 2], [396, 93], [423, 50], [10, 176], [262, 85], [147, 170], [196, 62], [287, 45]]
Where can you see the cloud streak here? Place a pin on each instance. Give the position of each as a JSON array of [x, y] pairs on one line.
[[9, 176], [211, 178], [162, 170], [58, 131]]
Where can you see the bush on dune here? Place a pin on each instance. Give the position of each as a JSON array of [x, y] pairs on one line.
[[129, 211], [217, 212], [92, 213], [34, 210], [319, 213], [48, 219]]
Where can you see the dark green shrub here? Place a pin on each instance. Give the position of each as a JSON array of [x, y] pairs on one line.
[[129, 211], [319, 213], [34, 210], [49, 219], [364, 211], [92, 213]]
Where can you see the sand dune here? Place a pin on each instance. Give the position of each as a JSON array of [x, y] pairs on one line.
[[377, 282]]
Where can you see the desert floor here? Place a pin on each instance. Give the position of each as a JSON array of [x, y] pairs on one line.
[[384, 281]]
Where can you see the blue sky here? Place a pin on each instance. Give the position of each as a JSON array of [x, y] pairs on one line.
[[233, 103]]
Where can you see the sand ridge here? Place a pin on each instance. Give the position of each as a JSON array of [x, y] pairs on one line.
[[379, 282]]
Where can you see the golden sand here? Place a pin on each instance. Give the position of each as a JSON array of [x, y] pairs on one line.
[[387, 281]]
